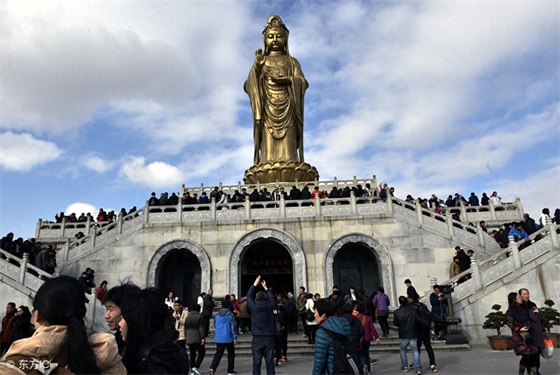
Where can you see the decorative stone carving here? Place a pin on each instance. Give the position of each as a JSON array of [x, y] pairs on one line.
[[289, 242], [386, 269], [196, 249]]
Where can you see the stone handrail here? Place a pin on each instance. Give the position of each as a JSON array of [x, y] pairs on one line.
[[505, 262], [18, 273]]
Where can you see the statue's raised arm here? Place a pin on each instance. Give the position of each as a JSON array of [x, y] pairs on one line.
[[276, 87]]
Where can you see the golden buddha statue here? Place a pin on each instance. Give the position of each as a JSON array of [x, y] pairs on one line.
[[276, 87]]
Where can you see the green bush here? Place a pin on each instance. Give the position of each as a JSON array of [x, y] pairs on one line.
[[495, 320]]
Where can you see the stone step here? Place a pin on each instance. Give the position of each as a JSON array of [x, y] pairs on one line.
[[297, 345]]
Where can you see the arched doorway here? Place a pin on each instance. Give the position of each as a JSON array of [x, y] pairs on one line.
[[356, 265], [284, 239], [270, 259], [181, 266], [179, 271], [362, 244]]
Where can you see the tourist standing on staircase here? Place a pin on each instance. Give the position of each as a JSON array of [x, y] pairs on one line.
[[301, 309], [208, 309], [439, 314], [381, 305], [424, 330], [261, 305], [407, 319]]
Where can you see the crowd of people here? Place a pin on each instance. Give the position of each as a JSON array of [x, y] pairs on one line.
[[41, 256]]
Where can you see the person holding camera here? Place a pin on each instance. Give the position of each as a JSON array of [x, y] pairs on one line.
[[262, 304], [439, 305]]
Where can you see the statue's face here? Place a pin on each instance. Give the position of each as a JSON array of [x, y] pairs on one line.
[[275, 39]]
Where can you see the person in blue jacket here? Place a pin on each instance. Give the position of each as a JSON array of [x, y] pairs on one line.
[[226, 337], [323, 358]]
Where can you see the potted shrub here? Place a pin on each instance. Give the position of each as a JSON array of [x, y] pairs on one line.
[[497, 320], [551, 319]]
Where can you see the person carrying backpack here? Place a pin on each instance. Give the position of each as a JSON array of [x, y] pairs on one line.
[[334, 353], [424, 329]]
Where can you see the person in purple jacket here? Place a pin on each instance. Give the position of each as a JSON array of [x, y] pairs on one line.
[[381, 306]]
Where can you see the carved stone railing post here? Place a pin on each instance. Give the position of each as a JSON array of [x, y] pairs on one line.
[[374, 183], [88, 225], [519, 206], [463, 209], [389, 202], [23, 267], [62, 227], [477, 279], [317, 205], [353, 203], [120, 220], [449, 221], [282, 207], [65, 252], [180, 210], [94, 236], [514, 252], [38, 228], [419, 212], [213, 208], [146, 214], [552, 233], [492, 210], [481, 236], [247, 208]]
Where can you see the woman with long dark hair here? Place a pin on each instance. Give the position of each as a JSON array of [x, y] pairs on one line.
[[150, 347], [517, 318], [60, 339]]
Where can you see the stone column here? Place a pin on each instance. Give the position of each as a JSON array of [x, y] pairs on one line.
[[481, 236], [418, 212], [247, 208], [477, 279], [317, 205], [282, 206], [552, 233], [120, 220], [389, 202], [514, 252], [146, 214], [23, 268], [38, 228], [353, 203], [213, 209]]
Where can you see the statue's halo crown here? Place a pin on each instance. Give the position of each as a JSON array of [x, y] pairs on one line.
[[275, 22]]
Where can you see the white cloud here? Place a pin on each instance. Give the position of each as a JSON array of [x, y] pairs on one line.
[[97, 163], [79, 207], [22, 152], [157, 174]]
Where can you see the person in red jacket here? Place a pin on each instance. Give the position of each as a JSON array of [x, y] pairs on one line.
[[7, 326]]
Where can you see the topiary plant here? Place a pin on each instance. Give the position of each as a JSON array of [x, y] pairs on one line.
[[495, 320], [551, 315]]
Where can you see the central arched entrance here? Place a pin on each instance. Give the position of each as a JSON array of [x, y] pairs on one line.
[[269, 241], [179, 271], [270, 259]]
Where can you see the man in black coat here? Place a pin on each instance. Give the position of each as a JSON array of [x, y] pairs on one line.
[[407, 320], [207, 310]]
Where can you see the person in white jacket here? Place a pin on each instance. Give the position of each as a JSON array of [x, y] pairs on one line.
[[312, 326]]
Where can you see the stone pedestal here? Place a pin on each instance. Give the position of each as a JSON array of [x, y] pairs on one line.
[[281, 171]]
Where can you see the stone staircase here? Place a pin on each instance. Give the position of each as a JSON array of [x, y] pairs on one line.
[[297, 345]]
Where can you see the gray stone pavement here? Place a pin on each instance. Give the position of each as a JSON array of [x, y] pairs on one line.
[[480, 360]]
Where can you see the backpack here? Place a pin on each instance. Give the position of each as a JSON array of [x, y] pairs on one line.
[[346, 359], [424, 313]]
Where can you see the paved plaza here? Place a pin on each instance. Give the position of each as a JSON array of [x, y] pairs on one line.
[[480, 360]]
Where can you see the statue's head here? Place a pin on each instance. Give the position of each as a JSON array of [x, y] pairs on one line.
[[275, 36]]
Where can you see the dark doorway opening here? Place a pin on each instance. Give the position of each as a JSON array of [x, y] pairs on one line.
[[179, 271], [356, 265], [271, 260]]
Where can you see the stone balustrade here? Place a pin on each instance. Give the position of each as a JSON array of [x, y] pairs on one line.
[[541, 244], [21, 271]]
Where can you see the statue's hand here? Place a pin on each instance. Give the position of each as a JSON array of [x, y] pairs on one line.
[[259, 58]]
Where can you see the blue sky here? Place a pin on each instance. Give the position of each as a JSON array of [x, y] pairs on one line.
[[102, 103]]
